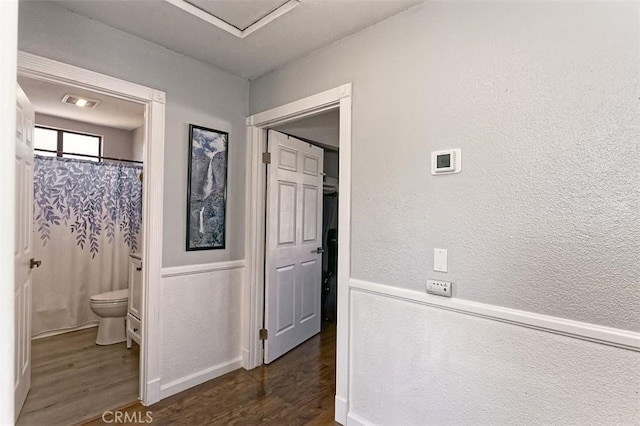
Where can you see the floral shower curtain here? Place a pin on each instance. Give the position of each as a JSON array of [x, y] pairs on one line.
[[87, 219]]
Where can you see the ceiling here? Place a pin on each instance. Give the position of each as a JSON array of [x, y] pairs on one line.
[[245, 37], [46, 98], [240, 14]]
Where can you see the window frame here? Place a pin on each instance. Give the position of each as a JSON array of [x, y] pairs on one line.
[[60, 143]]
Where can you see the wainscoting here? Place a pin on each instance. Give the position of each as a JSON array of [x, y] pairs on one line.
[[415, 357], [201, 323]]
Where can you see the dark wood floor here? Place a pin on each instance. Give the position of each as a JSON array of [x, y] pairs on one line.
[[73, 379], [297, 389]]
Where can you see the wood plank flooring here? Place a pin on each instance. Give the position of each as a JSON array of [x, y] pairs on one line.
[[73, 379], [297, 389]]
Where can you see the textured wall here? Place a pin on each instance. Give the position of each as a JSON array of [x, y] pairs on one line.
[[209, 305], [137, 148], [196, 93], [542, 98], [474, 371]]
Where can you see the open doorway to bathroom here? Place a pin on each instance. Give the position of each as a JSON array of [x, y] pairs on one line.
[[87, 232]]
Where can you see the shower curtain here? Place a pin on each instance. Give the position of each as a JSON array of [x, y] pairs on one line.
[[87, 219]]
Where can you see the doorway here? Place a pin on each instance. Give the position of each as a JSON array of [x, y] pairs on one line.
[[87, 191], [294, 244], [315, 140], [152, 101], [323, 130], [339, 99]]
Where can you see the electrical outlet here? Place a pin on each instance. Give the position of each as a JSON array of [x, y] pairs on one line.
[[439, 288]]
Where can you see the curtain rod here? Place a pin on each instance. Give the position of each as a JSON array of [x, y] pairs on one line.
[[91, 156]]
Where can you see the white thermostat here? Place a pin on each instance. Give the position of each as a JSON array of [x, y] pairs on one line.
[[447, 161]]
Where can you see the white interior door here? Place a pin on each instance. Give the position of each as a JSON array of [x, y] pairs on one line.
[[23, 250], [294, 244]]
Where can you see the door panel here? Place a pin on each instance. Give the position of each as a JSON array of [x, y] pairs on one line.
[[285, 299], [286, 213], [294, 228], [310, 215], [26, 327], [308, 286], [22, 260], [288, 158], [311, 165]]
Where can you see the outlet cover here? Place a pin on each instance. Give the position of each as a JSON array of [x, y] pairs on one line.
[[439, 288]]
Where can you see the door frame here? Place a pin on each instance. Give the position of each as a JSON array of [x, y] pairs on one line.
[[40, 68], [253, 291], [8, 48]]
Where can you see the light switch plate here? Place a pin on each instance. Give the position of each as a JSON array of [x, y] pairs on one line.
[[440, 260]]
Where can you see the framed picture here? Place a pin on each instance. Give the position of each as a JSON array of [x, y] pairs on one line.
[[207, 188]]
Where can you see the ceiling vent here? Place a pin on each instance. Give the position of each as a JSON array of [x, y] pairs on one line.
[[79, 101]]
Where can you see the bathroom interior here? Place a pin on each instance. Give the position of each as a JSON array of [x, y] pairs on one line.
[[87, 234]]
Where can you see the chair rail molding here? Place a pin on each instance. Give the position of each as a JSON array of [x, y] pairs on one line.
[[176, 271], [620, 338]]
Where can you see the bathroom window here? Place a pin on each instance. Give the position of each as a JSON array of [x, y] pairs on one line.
[[63, 143]]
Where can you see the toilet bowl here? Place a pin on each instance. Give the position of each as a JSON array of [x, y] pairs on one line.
[[111, 307]]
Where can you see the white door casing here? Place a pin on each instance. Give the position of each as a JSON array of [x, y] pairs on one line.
[[25, 117], [294, 235], [39, 68], [253, 293]]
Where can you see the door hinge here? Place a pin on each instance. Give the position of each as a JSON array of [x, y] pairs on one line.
[[264, 334], [266, 157]]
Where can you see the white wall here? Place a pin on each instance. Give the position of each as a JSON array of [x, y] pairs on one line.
[[8, 41], [195, 93], [331, 163], [470, 370], [323, 128], [211, 347], [542, 98], [116, 143], [137, 149]]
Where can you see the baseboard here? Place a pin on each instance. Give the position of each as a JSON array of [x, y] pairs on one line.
[[624, 339], [245, 359], [355, 420], [52, 333], [153, 393], [199, 377], [342, 407]]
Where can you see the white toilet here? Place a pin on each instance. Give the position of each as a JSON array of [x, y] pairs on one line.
[[111, 307]]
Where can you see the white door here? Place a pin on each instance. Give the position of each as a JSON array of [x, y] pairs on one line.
[[23, 252], [293, 266]]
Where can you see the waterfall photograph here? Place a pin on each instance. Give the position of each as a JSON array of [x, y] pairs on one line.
[[207, 191]]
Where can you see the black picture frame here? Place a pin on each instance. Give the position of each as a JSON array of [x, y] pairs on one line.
[[207, 188]]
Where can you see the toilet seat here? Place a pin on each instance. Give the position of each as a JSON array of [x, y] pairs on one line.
[[110, 297]]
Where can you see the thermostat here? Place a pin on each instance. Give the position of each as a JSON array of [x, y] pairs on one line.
[[447, 161]]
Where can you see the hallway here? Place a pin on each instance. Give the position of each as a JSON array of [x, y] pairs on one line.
[[297, 389]]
